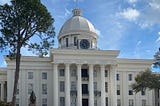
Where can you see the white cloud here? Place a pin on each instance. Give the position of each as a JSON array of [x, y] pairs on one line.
[[132, 1], [138, 43], [155, 5], [25, 52], [67, 12], [114, 35], [98, 33], [4, 1], [150, 14], [158, 39], [3, 64], [130, 14], [137, 50]]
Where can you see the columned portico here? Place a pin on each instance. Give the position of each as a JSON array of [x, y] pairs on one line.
[[103, 94], [91, 89], [67, 85], [113, 85], [55, 85], [79, 86]]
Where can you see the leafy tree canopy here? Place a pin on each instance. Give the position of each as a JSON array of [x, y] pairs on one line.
[[20, 21], [146, 79]]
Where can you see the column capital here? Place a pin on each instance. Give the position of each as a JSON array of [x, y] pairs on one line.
[[113, 66], [91, 65], [55, 64], [79, 65], [67, 64], [102, 65], [2, 82]]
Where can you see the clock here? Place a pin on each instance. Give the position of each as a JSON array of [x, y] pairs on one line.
[[84, 44]]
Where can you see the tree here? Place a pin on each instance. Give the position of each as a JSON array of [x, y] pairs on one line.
[[20, 22], [156, 63], [147, 80]]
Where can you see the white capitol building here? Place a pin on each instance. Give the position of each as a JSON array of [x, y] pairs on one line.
[[77, 73]]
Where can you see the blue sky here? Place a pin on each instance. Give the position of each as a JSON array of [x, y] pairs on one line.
[[131, 26]]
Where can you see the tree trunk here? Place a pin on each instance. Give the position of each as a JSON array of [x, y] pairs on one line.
[[16, 76]]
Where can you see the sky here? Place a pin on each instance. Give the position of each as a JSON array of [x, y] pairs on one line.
[[131, 26]]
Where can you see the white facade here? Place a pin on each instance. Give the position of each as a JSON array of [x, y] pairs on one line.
[[77, 73]]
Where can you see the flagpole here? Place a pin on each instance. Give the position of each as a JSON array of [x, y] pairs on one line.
[[76, 2]]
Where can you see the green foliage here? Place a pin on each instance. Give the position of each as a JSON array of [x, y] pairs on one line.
[[145, 80], [25, 23], [22, 20]]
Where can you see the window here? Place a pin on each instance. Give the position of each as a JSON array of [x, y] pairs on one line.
[[118, 89], [106, 73], [106, 101], [44, 75], [131, 103], [44, 102], [75, 41], [44, 89], [143, 92], [17, 101], [95, 73], [66, 42], [61, 72], [95, 102], [95, 86], [73, 85], [118, 77], [61, 86], [73, 73], [84, 73], [30, 75], [84, 88], [106, 86], [118, 102], [130, 91], [62, 101], [143, 102], [129, 77], [30, 88], [73, 101]]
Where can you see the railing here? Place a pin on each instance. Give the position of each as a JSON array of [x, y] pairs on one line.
[[86, 78], [73, 92], [97, 93]]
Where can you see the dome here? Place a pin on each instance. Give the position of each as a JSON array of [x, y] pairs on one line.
[[77, 24], [77, 33]]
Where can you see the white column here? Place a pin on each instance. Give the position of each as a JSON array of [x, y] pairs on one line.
[[67, 85], [2, 91], [91, 89], [55, 85], [113, 85], [79, 86], [103, 93]]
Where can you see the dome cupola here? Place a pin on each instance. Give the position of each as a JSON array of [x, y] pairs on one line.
[[77, 33]]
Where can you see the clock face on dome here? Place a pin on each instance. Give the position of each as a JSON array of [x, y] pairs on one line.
[[84, 44]]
